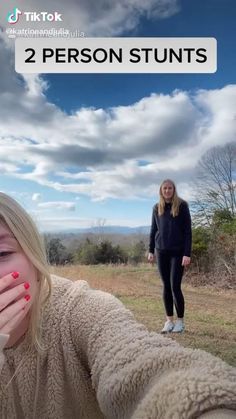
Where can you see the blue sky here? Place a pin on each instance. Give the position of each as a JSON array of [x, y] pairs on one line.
[[77, 148]]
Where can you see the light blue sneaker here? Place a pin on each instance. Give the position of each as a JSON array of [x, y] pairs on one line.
[[168, 327], [178, 327]]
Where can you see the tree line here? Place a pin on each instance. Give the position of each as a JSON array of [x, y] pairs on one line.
[[213, 248], [90, 252]]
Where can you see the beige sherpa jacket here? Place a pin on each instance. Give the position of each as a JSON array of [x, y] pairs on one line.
[[100, 363]]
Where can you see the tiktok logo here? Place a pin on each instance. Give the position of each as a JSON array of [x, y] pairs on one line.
[[14, 17]]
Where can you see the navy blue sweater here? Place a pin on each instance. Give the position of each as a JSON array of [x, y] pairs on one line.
[[171, 233]]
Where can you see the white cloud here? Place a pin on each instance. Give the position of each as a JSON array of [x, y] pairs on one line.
[[6, 167], [122, 152], [35, 86], [57, 205], [36, 197]]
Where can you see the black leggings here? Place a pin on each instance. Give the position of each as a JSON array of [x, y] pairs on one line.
[[171, 271]]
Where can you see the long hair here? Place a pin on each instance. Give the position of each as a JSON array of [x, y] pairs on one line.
[[16, 219], [175, 201]]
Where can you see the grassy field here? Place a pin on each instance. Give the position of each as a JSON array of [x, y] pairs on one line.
[[210, 314]]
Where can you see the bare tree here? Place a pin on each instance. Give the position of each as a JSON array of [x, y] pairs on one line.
[[216, 183], [99, 229]]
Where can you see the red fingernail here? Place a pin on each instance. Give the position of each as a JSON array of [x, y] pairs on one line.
[[26, 285], [27, 297], [15, 275]]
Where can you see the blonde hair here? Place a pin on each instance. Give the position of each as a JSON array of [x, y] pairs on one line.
[[13, 216], [175, 201]]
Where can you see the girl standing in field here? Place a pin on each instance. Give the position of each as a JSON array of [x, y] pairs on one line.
[[171, 236], [68, 351]]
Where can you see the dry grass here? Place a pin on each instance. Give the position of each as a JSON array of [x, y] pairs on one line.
[[210, 314]]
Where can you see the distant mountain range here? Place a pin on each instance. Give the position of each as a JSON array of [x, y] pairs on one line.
[[105, 230]]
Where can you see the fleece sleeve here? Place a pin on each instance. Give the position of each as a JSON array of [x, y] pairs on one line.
[[3, 341], [137, 374], [219, 414]]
